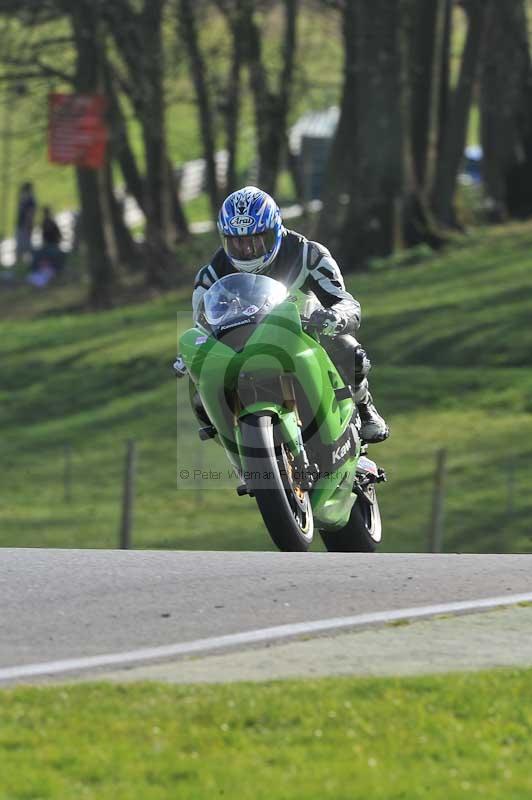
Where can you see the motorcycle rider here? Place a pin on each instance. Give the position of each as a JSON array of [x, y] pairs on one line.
[[254, 240]]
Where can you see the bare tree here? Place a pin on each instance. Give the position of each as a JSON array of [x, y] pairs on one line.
[[340, 172], [93, 190], [189, 34], [233, 104], [121, 145], [506, 118], [427, 41], [373, 201], [373, 223], [271, 104], [138, 35], [230, 102], [454, 130]]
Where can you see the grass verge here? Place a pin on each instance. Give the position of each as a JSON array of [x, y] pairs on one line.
[[442, 737], [450, 342]]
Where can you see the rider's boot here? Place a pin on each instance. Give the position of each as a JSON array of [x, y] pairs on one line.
[[373, 427], [354, 365]]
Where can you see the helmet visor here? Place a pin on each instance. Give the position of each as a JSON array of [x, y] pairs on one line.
[[248, 248]]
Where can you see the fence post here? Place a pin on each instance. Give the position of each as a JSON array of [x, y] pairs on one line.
[[67, 473], [438, 500], [128, 497]]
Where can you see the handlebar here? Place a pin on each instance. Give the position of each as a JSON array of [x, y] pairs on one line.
[[179, 367], [309, 326]]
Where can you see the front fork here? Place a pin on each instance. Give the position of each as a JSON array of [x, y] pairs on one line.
[[302, 473]]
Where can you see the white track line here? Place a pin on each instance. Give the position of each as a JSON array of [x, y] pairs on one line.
[[259, 636]]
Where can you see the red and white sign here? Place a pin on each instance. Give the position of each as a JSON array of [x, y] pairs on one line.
[[77, 131]]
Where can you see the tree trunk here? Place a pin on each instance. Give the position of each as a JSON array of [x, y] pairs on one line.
[[426, 49], [231, 103], [418, 226], [138, 37], [271, 108], [126, 247], [158, 221], [455, 130], [503, 98], [444, 91], [120, 144], [178, 214], [373, 199], [189, 36], [273, 157], [342, 157], [95, 215], [519, 179], [232, 108], [373, 224]]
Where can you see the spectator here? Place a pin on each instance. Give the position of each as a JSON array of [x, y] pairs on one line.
[[42, 271], [27, 205], [51, 235], [48, 261]]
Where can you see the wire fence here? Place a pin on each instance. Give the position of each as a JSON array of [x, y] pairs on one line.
[[70, 499]]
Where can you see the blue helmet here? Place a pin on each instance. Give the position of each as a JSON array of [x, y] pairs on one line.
[[251, 228]]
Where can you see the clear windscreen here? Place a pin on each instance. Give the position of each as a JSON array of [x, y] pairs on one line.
[[240, 298]]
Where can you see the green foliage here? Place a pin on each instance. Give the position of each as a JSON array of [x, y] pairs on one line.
[[317, 85], [442, 737]]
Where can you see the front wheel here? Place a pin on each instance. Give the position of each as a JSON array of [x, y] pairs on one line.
[[363, 532], [285, 508]]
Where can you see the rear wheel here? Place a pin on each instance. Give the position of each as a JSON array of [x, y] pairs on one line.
[[285, 508], [363, 532]]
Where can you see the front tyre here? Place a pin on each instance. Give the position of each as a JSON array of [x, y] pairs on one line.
[[363, 532], [285, 508]]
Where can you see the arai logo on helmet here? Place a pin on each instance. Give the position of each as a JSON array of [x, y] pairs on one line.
[[241, 221]]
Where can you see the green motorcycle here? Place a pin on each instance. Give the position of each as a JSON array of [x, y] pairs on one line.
[[285, 418]]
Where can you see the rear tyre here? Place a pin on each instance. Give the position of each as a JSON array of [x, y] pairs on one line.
[[285, 509], [363, 532]]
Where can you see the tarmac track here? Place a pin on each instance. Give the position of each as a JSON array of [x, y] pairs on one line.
[[72, 608]]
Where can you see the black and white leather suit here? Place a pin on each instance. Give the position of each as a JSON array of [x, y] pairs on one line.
[[309, 267]]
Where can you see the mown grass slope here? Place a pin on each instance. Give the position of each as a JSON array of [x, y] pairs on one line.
[[445, 737], [450, 339]]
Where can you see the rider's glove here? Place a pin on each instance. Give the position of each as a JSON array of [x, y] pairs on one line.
[[326, 322], [179, 367]]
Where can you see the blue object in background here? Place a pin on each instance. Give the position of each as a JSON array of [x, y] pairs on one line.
[[473, 156]]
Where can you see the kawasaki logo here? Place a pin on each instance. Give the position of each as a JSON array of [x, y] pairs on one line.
[[340, 452], [241, 221]]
